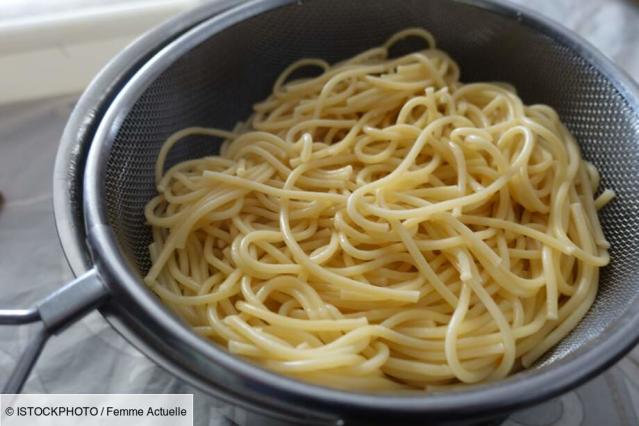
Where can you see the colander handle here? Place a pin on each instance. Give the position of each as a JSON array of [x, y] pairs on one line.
[[55, 312]]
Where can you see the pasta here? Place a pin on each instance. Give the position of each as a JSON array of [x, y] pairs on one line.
[[382, 227]]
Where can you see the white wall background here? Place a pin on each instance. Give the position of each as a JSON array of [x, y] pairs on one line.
[[55, 47]]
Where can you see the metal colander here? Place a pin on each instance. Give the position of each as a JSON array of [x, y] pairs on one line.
[[211, 74], [215, 82]]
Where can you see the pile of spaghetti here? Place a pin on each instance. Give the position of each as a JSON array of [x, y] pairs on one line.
[[382, 227]]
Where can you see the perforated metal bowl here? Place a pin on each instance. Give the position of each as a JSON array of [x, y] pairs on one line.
[[209, 72]]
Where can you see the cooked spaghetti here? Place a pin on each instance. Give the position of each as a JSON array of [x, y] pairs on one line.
[[382, 227]]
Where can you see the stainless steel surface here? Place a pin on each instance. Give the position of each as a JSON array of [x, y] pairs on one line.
[[584, 407], [72, 301], [18, 316], [58, 310], [27, 360]]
